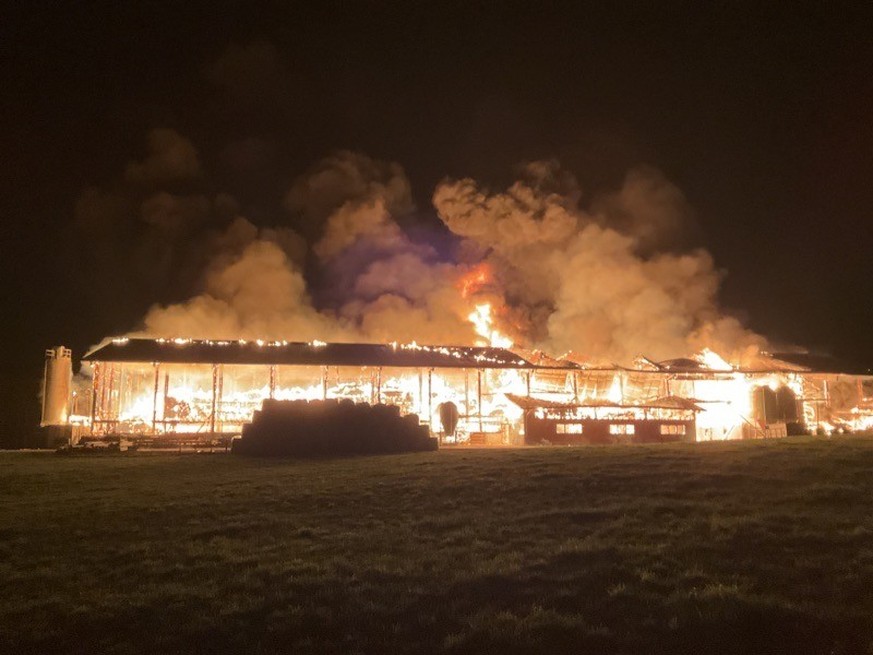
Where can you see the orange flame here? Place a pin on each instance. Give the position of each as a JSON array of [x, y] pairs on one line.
[[475, 279], [482, 320]]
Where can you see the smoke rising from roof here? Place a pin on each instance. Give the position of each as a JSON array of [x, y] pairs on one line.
[[602, 278], [599, 279]]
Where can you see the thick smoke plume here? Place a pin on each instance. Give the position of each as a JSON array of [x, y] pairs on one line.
[[385, 287], [596, 281], [600, 277]]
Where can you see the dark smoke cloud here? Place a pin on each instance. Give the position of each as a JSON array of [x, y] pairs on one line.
[[171, 157], [248, 71]]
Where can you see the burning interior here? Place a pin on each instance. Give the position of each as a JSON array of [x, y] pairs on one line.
[[540, 264], [164, 390]]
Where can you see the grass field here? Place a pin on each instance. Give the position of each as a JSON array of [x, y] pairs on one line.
[[748, 547]]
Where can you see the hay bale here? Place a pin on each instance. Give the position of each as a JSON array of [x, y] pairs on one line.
[[333, 427]]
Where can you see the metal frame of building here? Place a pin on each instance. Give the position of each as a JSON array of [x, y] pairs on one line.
[[643, 389], [109, 359]]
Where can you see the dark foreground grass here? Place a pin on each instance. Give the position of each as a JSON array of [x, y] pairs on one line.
[[729, 548]]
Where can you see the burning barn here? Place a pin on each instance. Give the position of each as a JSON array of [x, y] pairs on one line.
[[170, 389], [154, 387]]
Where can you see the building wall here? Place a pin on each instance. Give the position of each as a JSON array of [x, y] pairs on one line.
[[604, 431]]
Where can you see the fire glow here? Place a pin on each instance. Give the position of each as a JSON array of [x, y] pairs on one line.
[[484, 324], [530, 271], [501, 396]]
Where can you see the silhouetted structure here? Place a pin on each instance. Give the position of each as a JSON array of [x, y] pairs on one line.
[[325, 428]]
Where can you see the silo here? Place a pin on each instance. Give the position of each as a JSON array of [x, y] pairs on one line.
[[56, 386]]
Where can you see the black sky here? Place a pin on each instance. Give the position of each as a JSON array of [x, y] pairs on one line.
[[762, 116]]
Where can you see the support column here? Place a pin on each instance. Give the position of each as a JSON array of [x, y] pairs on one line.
[[430, 396], [95, 394], [272, 382], [379, 385], [121, 391], [621, 385], [764, 406], [214, 397], [218, 402], [479, 395], [466, 399], [113, 406], [166, 398], [420, 393], [155, 397], [106, 403]]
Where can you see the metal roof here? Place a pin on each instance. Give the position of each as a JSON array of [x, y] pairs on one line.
[[191, 351], [664, 402], [821, 364], [765, 363]]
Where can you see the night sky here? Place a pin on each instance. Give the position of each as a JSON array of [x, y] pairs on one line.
[[763, 118]]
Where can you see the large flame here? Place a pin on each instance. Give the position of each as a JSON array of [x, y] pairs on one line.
[[475, 280], [473, 286], [713, 360], [482, 319]]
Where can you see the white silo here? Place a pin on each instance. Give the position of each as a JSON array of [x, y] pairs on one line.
[[57, 386]]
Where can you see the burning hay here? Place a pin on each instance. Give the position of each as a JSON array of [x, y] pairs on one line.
[[329, 428]]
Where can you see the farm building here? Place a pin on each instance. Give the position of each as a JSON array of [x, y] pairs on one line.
[[163, 388]]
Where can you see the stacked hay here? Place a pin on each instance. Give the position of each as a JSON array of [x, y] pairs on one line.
[[323, 428]]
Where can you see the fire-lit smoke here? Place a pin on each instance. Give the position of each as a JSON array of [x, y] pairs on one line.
[[531, 265], [595, 280], [384, 286], [257, 294]]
